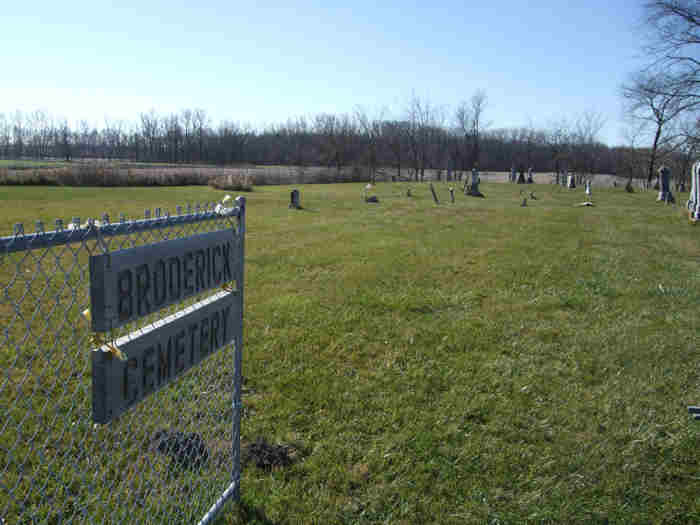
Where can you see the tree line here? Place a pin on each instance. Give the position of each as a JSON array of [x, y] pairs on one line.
[[426, 136]]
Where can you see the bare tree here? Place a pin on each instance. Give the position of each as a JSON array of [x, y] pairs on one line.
[[5, 136], [586, 143], [200, 122], [469, 120], [559, 141], [631, 158], [64, 140], [478, 105], [422, 118], [371, 131], [653, 99], [18, 133], [688, 150], [395, 133], [186, 119], [674, 45]]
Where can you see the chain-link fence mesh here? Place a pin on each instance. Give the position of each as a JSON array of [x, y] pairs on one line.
[[171, 457]]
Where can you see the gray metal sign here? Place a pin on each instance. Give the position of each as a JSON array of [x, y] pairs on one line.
[[157, 354], [126, 285]]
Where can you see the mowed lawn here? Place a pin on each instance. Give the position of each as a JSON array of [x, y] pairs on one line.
[[476, 362]]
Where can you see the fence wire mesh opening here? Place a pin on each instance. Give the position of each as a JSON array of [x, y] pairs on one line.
[[172, 458]]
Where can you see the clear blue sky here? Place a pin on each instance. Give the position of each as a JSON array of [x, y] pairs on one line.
[[261, 63]]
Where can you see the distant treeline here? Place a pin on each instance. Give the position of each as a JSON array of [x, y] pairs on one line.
[[420, 140]]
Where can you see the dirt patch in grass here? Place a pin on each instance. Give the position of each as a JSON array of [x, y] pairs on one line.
[[268, 456]]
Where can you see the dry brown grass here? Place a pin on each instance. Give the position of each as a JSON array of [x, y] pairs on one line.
[[103, 173]]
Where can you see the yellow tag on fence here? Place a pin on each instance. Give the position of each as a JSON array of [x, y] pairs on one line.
[[231, 286], [98, 340]]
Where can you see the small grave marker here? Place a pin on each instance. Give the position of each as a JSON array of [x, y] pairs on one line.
[[474, 186], [665, 185], [435, 197], [694, 197], [294, 200]]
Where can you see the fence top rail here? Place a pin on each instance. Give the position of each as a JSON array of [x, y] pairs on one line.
[[75, 232]]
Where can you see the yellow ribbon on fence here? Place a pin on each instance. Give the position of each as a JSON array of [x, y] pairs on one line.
[[231, 287], [98, 340]]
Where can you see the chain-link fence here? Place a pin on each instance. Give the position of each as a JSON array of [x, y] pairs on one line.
[[172, 458]]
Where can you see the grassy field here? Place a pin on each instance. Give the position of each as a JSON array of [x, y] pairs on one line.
[[476, 362]]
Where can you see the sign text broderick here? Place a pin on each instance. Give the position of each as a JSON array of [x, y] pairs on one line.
[[126, 285]]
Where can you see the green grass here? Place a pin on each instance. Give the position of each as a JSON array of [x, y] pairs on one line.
[[471, 363]]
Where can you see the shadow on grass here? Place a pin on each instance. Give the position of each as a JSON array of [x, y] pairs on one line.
[[246, 514], [250, 514]]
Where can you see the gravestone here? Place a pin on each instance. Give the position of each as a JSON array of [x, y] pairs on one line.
[[294, 200], [366, 194], [435, 197], [474, 186], [665, 185], [694, 198]]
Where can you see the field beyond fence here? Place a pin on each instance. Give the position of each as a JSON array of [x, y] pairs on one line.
[[242, 178], [407, 362]]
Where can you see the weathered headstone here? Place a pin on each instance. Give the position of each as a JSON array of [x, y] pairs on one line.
[[435, 197], [367, 195], [474, 186], [294, 200], [694, 198], [665, 185]]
